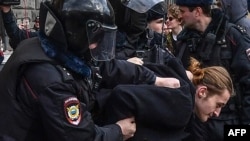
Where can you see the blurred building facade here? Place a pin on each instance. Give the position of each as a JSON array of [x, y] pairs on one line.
[[25, 14]]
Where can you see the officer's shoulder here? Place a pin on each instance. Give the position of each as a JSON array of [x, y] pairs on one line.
[[238, 27], [52, 72], [66, 75]]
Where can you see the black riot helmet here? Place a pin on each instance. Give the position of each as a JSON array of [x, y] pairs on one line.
[[140, 6], [89, 26], [157, 11]]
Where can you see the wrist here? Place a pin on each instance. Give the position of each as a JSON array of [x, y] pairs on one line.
[[156, 81]]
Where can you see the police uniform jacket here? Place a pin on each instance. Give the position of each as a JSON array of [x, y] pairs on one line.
[[42, 100], [45, 99], [226, 45]]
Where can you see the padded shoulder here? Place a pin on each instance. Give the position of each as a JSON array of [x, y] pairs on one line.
[[240, 28], [66, 75]]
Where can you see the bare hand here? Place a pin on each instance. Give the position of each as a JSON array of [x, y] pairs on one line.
[[135, 60], [5, 8], [169, 82], [189, 75], [128, 127]]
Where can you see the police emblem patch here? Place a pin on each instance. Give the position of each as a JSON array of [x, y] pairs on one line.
[[72, 110], [248, 53]]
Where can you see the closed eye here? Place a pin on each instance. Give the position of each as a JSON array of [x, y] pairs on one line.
[[220, 105]]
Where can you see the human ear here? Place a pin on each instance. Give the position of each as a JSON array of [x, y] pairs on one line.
[[202, 91]]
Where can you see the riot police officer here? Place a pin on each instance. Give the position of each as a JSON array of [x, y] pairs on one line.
[[137, 40], [46, 85]]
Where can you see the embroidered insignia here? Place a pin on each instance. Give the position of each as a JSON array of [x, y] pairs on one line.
[[248, 53], [72, 110]]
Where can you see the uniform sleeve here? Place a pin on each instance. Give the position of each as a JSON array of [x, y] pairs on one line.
[[15, 34], [103, 136], [241, 69], [123, 72], [63, 106]]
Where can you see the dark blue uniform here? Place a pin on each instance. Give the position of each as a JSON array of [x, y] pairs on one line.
[[47, 93], [230, 48]]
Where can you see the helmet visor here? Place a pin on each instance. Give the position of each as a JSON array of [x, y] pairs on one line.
[[140, 6], [101, 40]]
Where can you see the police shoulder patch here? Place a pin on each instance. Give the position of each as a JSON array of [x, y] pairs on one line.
[[72, 109]]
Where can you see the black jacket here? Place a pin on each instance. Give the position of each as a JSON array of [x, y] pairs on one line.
[[35, 89], [47, 99], [228, 47], [161, 113]]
